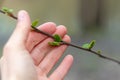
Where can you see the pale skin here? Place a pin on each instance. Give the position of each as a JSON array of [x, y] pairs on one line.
[[27, 55]]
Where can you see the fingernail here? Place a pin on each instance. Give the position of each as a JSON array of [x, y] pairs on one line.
[[21, 15]]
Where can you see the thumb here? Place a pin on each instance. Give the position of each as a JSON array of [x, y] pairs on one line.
[[17, 63], [22, 29]]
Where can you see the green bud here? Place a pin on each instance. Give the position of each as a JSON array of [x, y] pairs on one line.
[[57, 38], [7, 10], [34, 23], [99, 52], [89, 45], [86, 46], [92, 43]]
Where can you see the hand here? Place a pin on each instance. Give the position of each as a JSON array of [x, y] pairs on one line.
[[27, 55]]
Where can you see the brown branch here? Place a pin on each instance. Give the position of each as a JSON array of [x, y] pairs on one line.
[[2, 11], [66, 43]]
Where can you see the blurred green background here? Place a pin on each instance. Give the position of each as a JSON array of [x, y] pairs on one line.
[[86, 20]]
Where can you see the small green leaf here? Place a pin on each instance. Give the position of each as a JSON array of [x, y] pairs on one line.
[[7, 10], [86, 46], [10, 10], [89, 45], [92, 43], [54, 43], [57, 38], [34, 23]]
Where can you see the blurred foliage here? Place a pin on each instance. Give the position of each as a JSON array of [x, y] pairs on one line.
[[58, 11], [1, 2]]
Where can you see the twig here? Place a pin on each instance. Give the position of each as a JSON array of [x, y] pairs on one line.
[[2, 11], [66, 43]]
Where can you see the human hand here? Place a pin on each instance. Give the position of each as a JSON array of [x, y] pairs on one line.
[[27, 55]]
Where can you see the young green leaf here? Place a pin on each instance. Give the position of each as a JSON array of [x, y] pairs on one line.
[[57, 38], [92, 43], [54, 43], [86, 46], [34, 23], [7, 10], [89, 45]]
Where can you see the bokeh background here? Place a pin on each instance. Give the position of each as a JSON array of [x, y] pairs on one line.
[[86, 20]]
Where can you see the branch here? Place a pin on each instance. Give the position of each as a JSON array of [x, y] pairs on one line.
[[63, 42]]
